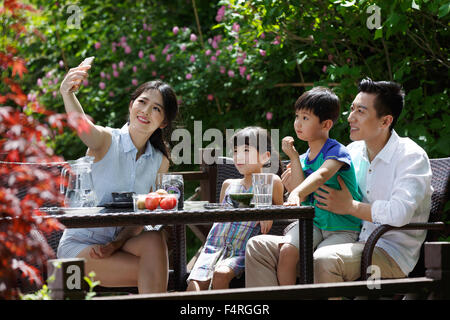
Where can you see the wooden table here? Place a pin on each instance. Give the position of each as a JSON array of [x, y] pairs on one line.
[[108, 217]]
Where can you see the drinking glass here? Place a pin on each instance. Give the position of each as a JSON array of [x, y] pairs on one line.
[[262, 189]]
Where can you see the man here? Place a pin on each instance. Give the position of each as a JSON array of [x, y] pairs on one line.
[[394, 175]]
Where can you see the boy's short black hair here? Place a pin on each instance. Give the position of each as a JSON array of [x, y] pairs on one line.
[[322, 102], [389, 97]]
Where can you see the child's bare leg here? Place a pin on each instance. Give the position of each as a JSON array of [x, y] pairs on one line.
[[287, 265], [195, 285], [222, 277]]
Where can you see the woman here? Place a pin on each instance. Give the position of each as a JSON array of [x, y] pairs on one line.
[[126, 159]]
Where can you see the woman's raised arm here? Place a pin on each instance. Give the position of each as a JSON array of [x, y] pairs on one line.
[[96, 137]]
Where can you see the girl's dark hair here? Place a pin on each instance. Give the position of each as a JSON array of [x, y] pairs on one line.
[[389, 97], [258, 138], [159, 139], [321, 101]]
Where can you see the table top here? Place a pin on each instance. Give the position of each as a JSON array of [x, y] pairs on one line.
[[109, 217]]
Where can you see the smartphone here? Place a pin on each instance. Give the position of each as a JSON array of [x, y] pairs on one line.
[[86, 62]]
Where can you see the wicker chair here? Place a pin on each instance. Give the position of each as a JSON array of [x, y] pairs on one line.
[[440, 183], [176, 236]]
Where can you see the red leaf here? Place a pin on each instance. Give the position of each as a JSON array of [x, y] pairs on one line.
[[19, 68]]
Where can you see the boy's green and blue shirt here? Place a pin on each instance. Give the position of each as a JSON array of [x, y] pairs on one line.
[[324, 219]]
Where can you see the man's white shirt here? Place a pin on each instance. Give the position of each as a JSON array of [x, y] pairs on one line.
[[397, 183]]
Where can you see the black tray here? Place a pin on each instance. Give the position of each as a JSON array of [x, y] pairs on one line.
[[118, 205]]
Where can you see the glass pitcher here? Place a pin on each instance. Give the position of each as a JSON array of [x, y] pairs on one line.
[[80, 188]]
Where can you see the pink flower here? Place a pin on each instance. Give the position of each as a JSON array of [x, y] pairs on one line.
[[102, 85], [144, 26], [324, 69], [269, 115], [263, 35], [152, 58], [102, 74], [277, 40], [108, 76], [214, 45], [97, 45], [242, 70], [141, 54], [240, 60], [168, 57], [220, 13], [85, 82], [208, 52], [213, 59], [231, 73], [262, 52], [149, 39], [193, 37], [114, 66], [111, 94], [123, 39], [39, 82], [222, 70], [166, 49], [153, 73], [127, 50], [183, 47], [236, 27], [218, 52], [115, 74], [121, 64], [210, 97], [192, 58], [175, 30], [134, 82], [249, 77], [189, 76], [61, 63], [134, 68], [230, 47]]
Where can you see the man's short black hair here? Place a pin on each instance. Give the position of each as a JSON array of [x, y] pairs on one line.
[[389, 97], [322, 102]]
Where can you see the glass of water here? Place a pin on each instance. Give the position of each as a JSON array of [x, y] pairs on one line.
[[262, 189]]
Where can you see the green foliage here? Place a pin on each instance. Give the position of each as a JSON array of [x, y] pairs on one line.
[[254, 60]]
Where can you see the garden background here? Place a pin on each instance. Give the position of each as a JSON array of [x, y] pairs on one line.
[[231, 63]]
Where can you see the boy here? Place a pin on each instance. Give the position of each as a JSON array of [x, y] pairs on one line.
[[315, 113]]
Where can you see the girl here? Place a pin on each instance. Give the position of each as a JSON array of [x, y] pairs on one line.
[[126, 159], [224, 251]]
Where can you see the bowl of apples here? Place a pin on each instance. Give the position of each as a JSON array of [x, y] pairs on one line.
[[159, 200]]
